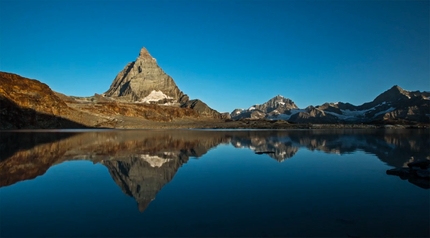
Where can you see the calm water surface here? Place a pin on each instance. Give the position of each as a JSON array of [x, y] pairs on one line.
[[292, 183]]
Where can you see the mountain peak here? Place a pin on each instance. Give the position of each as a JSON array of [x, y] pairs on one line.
[[396, 88], [144, 53], [393, 94], [279, 98], [143, 78]]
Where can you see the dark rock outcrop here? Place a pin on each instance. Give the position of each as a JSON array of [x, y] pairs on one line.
[[417, 173], [202, 109]]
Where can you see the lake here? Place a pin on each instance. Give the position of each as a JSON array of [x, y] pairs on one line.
[[289, 183]]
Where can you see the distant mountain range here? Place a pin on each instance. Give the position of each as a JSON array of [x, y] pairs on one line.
[[393, 105], [142, 94]]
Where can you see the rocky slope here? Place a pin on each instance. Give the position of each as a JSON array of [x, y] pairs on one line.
[[395, 105], [28, 103], [203, 109]]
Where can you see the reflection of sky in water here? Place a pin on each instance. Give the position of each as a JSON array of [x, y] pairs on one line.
[[225, 192]]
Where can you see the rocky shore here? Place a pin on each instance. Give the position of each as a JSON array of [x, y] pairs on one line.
[[417, 172]]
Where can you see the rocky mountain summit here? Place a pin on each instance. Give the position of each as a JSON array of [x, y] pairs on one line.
[[144, 81], [272, 108], [394, 105]]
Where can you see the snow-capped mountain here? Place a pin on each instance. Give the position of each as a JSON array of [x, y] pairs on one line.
[[395, 104], [272, 108]]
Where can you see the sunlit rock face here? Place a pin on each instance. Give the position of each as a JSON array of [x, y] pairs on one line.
[[144, 81], [30, 94], [28, 103]]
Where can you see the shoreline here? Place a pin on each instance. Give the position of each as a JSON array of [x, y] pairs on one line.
[[222, 125]]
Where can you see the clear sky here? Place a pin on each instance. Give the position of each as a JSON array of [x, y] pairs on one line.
[[229, 54]]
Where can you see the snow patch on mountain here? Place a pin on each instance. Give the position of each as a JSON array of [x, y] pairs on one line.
[[238, 111], [349, 115], [154, 161], [154, 96], [386, 111], [286, 117]]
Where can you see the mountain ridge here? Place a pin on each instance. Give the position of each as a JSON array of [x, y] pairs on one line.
[[394, 104]]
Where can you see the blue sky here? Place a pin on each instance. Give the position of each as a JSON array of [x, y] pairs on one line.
[[229, 54]]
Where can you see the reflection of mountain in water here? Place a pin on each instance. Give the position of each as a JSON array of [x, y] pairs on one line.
[[142, 176], [142, 162], [278, 148], [394, 147]]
